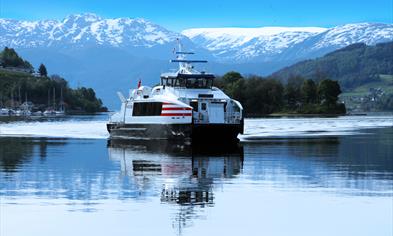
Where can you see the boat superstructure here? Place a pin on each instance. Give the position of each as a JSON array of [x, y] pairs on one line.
[[185, 105]]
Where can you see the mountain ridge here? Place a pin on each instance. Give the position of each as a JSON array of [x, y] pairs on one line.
[[295, 43], [224, 45], [353, 66], [84, 28], [113, 54]]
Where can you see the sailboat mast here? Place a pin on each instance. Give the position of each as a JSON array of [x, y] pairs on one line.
[[48, 98], [54, 98], [12, 98], [61, 99], [19, 96]]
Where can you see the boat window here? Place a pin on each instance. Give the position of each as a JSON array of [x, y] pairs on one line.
[[178, 82], [147, 109], [199, 83], [167, 82], [203, 106], [194, 105]]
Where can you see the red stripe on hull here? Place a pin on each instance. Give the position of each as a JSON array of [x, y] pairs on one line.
[[176, 108], [176, 114]]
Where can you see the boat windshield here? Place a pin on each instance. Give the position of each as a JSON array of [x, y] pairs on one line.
[[195, 83]]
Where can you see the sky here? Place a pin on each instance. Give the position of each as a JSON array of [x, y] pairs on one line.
[[178, 15]]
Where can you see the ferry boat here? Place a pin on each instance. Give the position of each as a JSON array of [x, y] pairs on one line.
[[185, 106]]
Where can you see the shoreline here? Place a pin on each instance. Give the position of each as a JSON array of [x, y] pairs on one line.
[[381, 113]]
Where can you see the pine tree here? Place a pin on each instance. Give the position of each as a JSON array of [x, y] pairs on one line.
[[42, 70]]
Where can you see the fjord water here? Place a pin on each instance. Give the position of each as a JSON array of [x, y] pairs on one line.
[[288, 176]]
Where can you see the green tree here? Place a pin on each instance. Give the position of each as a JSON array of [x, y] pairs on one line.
[[9, 58], [309, 91], [328, 91], [42, 70], [232, 77], [293, 92]]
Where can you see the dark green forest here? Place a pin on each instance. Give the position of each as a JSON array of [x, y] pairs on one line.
[[9, 58], [17, 85], [261, 96], [352, 66]]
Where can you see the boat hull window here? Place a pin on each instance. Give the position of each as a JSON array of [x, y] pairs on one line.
[[147, 109]]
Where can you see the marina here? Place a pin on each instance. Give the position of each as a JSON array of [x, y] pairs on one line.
[[28, 109]]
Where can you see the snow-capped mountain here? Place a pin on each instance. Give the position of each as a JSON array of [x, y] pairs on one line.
[[234, 45], [242, 44], [342, 36], [82, 30], [110, 54], [285, 43]]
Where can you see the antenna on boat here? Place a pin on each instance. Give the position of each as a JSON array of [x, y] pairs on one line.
[[185, 66]]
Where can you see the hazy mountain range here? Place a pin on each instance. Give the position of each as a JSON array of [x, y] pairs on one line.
[[112, 54], [285, 43]]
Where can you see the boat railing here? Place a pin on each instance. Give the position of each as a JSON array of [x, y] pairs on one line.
[[229, 118], [232, 117]]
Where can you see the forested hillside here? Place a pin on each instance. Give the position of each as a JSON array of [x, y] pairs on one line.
[[261, 96], [19, 83], [352, 66]]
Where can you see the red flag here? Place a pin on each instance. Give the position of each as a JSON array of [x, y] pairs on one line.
[[139, 83]]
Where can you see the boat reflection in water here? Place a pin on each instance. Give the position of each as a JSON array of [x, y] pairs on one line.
[[158, 188], [187, 172]]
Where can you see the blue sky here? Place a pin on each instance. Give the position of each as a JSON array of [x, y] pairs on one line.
[[178, 15]]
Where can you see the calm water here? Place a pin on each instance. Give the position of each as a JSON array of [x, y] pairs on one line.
[[331, 176]]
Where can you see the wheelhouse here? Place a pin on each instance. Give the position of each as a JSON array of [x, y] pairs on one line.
[[190, 81]]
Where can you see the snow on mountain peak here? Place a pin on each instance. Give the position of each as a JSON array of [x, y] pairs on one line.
[[79, 30], [344, 35], [243, 43], [224, 44], [277, 43], [248, 32], [86, 17]]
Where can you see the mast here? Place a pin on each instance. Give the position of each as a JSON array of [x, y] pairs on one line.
[[61, 100], [12, 98], [19, 96], [185, 66], [24, 106], [54, 98], [48, 98]]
